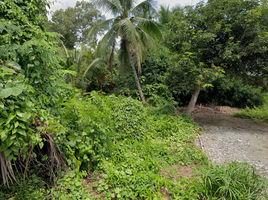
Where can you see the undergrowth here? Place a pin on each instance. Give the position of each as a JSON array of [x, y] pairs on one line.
[[126, 143], [258, 113], [116, 148]]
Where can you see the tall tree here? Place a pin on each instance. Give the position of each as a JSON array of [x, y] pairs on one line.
[[225, 33], [240, 40], [74, 22], [136, 33]]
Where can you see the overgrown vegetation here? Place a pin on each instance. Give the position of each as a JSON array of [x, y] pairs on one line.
[[258, 112], [61, 140]]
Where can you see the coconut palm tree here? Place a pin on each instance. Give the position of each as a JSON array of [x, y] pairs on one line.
[[136, 34], [164, 15]]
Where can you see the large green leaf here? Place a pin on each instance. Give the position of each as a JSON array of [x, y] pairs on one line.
[[17, 90], [6, 93], [3, 134], [24, 116], [13, 65], [7, 152], [7, 70], [10, 117]]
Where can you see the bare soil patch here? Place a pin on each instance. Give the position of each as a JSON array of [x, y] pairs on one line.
[[177, 171], [227, 138]]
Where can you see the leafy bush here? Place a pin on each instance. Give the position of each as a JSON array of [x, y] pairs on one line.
[[232, 92], [29, 81]]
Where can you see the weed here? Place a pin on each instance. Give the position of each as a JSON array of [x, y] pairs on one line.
[[232, 181], [259, 113]]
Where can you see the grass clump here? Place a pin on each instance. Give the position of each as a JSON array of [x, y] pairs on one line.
[[231, 181], [258, 113]]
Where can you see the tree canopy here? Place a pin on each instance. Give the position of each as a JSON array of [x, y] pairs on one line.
[[73, 23]]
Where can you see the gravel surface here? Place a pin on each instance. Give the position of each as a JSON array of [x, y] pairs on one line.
[[227, 138]]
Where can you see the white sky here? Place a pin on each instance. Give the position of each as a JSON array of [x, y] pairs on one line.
[[71, 3]]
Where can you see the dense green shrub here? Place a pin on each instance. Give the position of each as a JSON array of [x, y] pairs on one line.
[[29, 81], [232, 92]]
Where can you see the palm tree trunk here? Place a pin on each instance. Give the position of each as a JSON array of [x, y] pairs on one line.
[[134, 72], [192, 103]]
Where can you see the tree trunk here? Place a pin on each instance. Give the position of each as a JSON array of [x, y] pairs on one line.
[[134, 72], [191, 104]]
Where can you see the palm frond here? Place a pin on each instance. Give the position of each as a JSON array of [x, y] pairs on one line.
[[94, 30], [148, 26], [107, 42], [129, 31], [127, 5], [143, 7], [65, 49], [96, 61], [114, 7], [148, 40], [164, 15], [64, 72]]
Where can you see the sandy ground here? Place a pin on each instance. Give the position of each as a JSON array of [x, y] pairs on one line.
[[226, 138]]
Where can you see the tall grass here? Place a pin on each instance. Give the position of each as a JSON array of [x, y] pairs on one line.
[[259, 113]]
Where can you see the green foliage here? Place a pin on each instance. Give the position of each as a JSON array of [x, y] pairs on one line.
[[228, 33], [124, 141], [185, 75], [29, 80], [158, 95], [16, 110], [144, 141], [70, 186], [24, 12], [74, 23], [81, 70], [234, 181], [83, 130], [164, 15], [126, 144], [232, 92], [258, 112], [156, 65], [31, 188]]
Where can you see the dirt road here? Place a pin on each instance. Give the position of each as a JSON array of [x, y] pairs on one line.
[[228, 138]]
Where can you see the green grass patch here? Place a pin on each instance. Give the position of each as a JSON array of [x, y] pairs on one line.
[[258, 113]]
